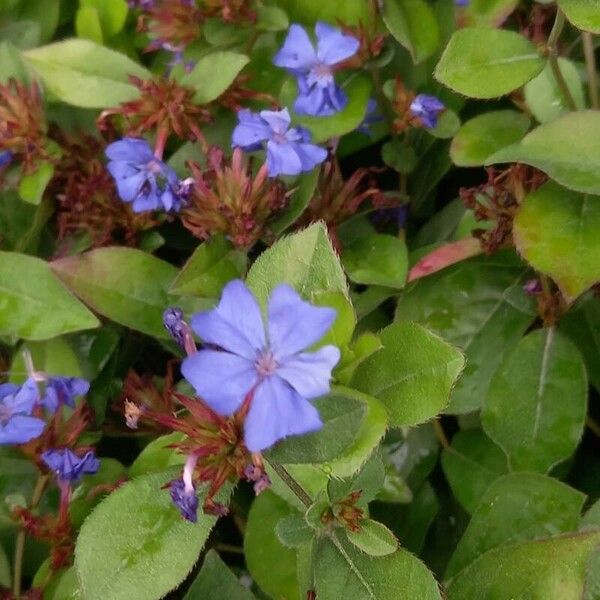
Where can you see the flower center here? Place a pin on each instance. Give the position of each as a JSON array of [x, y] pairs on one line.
[[279, 138], [266, 364], [320, 74]]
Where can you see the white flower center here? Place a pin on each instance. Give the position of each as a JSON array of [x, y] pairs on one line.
[[266, 364]]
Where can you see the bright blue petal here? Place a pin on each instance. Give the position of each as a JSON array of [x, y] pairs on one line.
[[25, 399], [221, 379], [282, 159], [278, 120], [235, 324], [21, 429], [129, 187], [145, 202], [250, 132], [333, 46], [297, 52], [311, 103], [295, 324], [310, 155], [7, 389], [132, 150], [277, 411], [309, 373]]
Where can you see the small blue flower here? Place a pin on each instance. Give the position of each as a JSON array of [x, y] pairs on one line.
[[319, 95], [17, 426], [427, 108], [371, 117], [185, 499], [142, 178], [289, 151], [268, 366], [63, 390], [5, 157], [462, 2], [69, 467]]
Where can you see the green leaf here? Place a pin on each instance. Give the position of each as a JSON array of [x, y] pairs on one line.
[[123, 284], [33, 185], [567, 149], [373, 538], [306, 260], [350, 12], [478, 305], [344, 572], [342, 417], [135, 545], [158, 455], [216, 582], [43, 12], [112, 14], [23, 34], [551, 569], [371, 430], [11, 63], [591, 519], [340, 333], [582, 325], [87, 24], [545, 99], [488, 13], [34, 304], [413, 24], [63, 586], [412, 374], [294, 531], [209, 268], [82, 73], [486, 63], [305, 188], [525, 411], [264, 551], [485, 134], [376, 259], [271, 18], [471, 464], [583, 14], [517, 507], [556, 231], [213, 74], [357, 87], [368, 480]]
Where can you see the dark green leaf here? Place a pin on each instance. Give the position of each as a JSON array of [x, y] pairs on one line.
[[373, 538], [294, 531], [583, 14]]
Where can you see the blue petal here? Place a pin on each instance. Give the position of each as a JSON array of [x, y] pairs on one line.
[[333, 46], [25, 399], [133, 150], [297, 52], [277, 411], [7, 389], [21, 429], [278, 120], [310, 155], [221, 379], [282, 159], [295, 324], [235, 324], [145, 202], [309, 373], [129, 187], [311, 103], [250, 132]]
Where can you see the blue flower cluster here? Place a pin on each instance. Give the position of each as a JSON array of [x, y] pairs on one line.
[[68, 467], [265, 366]]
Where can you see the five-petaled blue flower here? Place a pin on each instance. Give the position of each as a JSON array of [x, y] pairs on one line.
[[289, 151], [318, 95], [17, 426], [68, 467], [142, 178], [268, 367], [427, 108], [63, 390]]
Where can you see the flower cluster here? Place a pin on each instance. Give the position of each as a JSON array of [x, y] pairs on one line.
[[421, 110]]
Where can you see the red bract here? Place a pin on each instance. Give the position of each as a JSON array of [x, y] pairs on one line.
[[86, 199], [232, 11], [22, 122], [228, 198]]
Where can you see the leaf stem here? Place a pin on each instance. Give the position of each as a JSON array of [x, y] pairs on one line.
[[590, 65], [287, 478], [559, 23], [440, 434], [20, 542]]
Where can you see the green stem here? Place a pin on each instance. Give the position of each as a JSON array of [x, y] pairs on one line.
[[590, 65], [298, 490], [559, 23], [20, 543], [440, 434]]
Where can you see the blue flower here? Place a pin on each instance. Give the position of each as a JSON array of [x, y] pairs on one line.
[[17, 426], [318, 93], [175, 325], [269, 368], [142, 178], [370, 118], [427, 108], [69, 467], [185, 498], [63, 390], [289, 151], [5, 157], [461, 2]]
